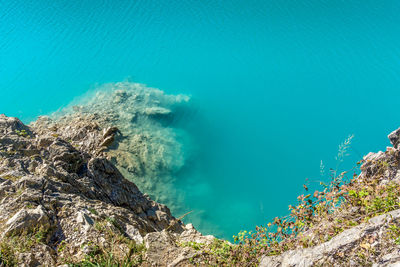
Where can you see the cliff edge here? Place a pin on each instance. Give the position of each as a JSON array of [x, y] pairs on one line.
[[64, 204]]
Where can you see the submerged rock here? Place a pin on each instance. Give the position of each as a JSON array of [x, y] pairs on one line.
[[157, 111], [137, 127]]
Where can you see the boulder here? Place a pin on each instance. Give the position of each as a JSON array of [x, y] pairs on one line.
[[10, 125], [394, 138], [27, 220]]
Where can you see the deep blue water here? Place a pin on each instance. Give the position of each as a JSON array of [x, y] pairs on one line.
[[279, 84]]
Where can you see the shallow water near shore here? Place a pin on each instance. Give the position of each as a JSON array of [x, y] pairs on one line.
[[275, 86]]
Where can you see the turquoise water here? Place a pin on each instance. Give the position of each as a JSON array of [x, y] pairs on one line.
[[277, 84]]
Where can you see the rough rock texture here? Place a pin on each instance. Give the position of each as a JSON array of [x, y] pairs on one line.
[[394, 138], [68, 191], [163, 249], [26, 219], [340, 244]]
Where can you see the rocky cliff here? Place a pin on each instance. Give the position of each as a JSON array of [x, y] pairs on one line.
[[62, 203], [68, 196]]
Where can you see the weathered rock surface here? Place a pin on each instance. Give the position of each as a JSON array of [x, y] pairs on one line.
[[346, 241], [394, 138], [69, 191], [162, 247], [26, 220]]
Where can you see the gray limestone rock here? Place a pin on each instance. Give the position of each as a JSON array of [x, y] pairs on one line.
[[71, 190], [26, 220], [394, 138]]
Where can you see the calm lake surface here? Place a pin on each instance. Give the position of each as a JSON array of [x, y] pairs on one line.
[[277, 85]]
